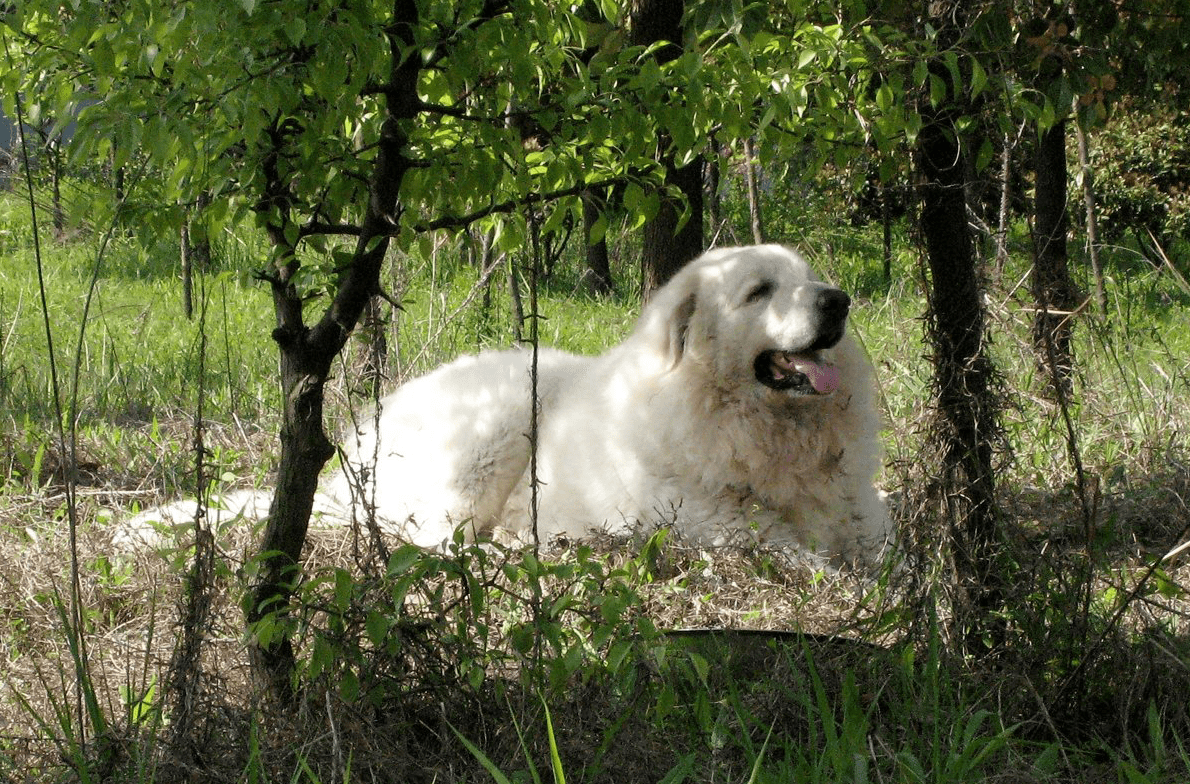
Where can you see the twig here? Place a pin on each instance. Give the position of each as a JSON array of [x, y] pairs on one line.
[[1177, 276], [75, 626]]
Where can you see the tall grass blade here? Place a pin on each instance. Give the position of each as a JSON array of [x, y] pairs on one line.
[[516, 725], [480, 757], [98, 722], [755, 775], [555, 757], [680, 771]]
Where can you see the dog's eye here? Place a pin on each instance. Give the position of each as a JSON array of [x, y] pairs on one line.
[[760, 291]]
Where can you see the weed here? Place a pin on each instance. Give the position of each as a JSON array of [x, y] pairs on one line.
[[560, 660]]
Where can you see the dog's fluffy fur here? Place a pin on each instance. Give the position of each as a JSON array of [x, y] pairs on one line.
[[739, 410]]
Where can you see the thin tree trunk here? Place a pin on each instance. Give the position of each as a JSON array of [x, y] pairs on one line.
[[195, 255], [1092, 223], [597, 278], [518, 305], [754, 214], [964, 378], [1053, 290], [668, 243], [1005, 202], [714, 204], [187, 271], [54, 150], [307, 353], [117, 175], [375, 369], [886, 224]]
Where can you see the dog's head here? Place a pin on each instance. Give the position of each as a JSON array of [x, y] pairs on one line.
[[754, 316]]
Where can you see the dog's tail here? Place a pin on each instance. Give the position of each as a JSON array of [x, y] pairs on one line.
[[168, 524]]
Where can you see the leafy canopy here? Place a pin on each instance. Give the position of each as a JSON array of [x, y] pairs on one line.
[[517, 101]]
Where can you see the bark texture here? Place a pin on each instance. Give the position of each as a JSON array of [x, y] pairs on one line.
[[307, 352], [967, 425], [668, 242], [1053, 291]]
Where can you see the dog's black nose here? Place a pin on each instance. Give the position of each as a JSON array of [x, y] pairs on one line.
[[833, 304]]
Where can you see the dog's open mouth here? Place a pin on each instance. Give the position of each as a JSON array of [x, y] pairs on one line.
[[804, 373]]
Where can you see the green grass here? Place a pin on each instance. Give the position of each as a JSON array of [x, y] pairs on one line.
[[552, 670]]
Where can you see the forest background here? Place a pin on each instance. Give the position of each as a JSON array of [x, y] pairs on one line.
[[201, 190]]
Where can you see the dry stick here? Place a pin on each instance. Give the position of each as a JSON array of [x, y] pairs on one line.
[[534, 402], [1177, 276], [1005, 198], [72, 518], [68, 448], [1088, 655], [195, 602], [1088, 508], [445, 321], [361, 484], [1090, 209]]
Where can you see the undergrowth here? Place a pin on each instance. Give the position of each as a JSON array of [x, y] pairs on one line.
[[643, 661]]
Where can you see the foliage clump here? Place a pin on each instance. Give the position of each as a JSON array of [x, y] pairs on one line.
[[1141, 164]]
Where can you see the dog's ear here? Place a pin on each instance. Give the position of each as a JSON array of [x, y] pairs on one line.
[[679, 327], [665, 322]]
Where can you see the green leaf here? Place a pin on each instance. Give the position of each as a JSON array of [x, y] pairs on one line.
[[681, 770], [376, 627], [937, 90], [617, 654], [349, 686], [979, 77], [884, 98], [403, 559], [522, 637], [984, 156], [295, 29], [344, 589], [921, 72]]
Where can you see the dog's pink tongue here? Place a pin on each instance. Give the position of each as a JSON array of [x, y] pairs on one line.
[[824, 378]]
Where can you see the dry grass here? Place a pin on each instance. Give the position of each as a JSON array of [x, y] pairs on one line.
[[609, 723], [132, 609], [1091, 670]]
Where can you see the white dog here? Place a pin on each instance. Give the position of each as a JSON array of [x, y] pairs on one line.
[[739, 410]]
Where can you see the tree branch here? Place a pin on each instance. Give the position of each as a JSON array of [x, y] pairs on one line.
[[504, 207]]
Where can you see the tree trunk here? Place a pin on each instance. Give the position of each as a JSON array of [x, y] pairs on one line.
[[886, 225], [666, 247], [714, 200], [1053, 290], [375, 338], [963, 375], [195, 255], [518, 305], [1092, 223], [753, 191], [307, 353], [54, 153], [187, 271], [597, 278], [305, 449], [1003, 212]]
